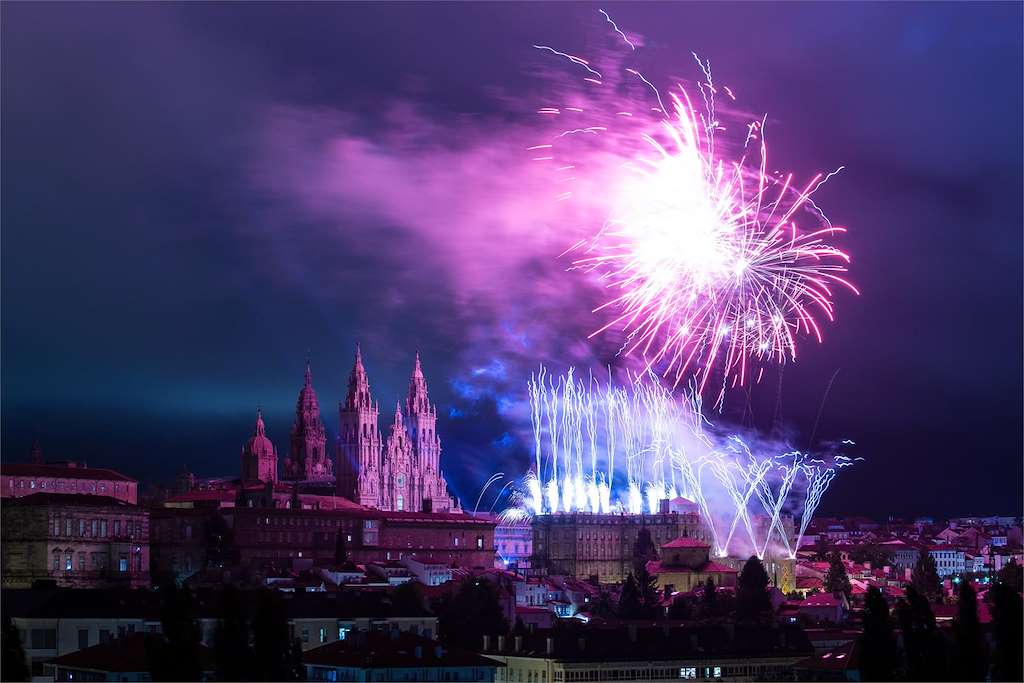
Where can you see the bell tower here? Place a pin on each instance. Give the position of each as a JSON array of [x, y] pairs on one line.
[[359, 441]]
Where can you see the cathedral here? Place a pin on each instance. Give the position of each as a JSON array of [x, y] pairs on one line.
[[399, 473]]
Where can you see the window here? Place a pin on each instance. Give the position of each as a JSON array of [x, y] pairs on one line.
[[117, 527], [305, 635], [103, 528], [94, 528], [56, 560], [44, 639], [122, 563], [68, 559], [56, 526], [83, 638], [81, 562], [343, 632], [479, 542], [400, 504], [688, 672], [323, 635], [456, 541], [81, 527]]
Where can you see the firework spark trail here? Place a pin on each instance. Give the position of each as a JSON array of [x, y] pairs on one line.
[[663, 447], [706, 268], [617, 30]]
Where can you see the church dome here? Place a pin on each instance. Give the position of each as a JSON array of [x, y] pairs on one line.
[[259, 444]]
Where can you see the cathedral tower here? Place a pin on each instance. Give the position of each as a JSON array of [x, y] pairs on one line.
[[307, 454], [259, 459], [359, 441], [421, 423]]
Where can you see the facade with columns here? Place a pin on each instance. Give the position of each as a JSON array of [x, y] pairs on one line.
[[402, 473]]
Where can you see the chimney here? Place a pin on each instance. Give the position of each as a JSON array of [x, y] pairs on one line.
[[550, 645], [487, 643], [501, 643]]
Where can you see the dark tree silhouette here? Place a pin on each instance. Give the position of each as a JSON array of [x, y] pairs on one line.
[[1007, 633], [175, 657], [644, 550], [821, 549], [925, 578], [273, 647], [629, 598], [14, 665], [474, 610], [970, 662], [836, 579], [709, 599], [878, 655], [923, 645], [232, 655], [407, 600], [1012, 574], [752, 599]]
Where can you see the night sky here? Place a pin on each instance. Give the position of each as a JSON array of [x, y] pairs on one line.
[[196, 198]]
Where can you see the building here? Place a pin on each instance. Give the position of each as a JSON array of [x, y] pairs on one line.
[[259, 457], [307, 444], [119, 659], [75, 540], [56, 622], [656, 653], [949, 561], [24, 479], [513, 542], [584, 544], [402, 473], [381, 656], [685, 565]]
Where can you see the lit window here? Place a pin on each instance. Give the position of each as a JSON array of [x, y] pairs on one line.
[[68, 559], [323, 635], [122, 563]]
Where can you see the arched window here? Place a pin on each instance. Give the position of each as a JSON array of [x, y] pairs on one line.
[[400, 503]]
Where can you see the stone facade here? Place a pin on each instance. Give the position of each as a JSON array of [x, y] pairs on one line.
[[402, 473], [26, 479], [307, 453], [259, 457], [77, 541], [586, 544]]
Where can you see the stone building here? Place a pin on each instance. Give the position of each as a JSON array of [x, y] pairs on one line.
[[25, 479], [584, 544], [307, 452], [402, 473], [74, 540]]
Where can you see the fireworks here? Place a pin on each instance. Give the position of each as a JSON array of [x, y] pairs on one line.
[[702, 256], [601, 448]]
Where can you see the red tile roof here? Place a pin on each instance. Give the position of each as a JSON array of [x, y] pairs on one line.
[[686, 542], [127, 654], [26, 469], [68, 499]]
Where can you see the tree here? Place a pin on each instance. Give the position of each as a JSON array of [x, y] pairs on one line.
[[821, 549], [1006, 632], [14, 665], [474, 610], [1012, 574], [629, 598], [340, 550], [836, 579], [407, 600], [752, 599], [923, 645], [175, 657], [877, 642], [273, 649], [709, 599], [232, 655], [925, 578], [644, 550], [970, 663]]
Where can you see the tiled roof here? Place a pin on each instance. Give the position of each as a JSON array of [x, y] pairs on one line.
[[68, 499], [122, 655], [686, 542], [26, 469], [384, 651]]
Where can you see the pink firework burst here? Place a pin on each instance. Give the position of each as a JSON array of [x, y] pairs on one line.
[[705, 263]]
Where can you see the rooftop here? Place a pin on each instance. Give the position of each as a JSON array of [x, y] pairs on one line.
[[121, 655], [27, 469]]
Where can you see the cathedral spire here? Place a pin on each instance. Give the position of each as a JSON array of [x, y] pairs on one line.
[[309, 375], [417, 370], [417, 401], [261, 430]]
